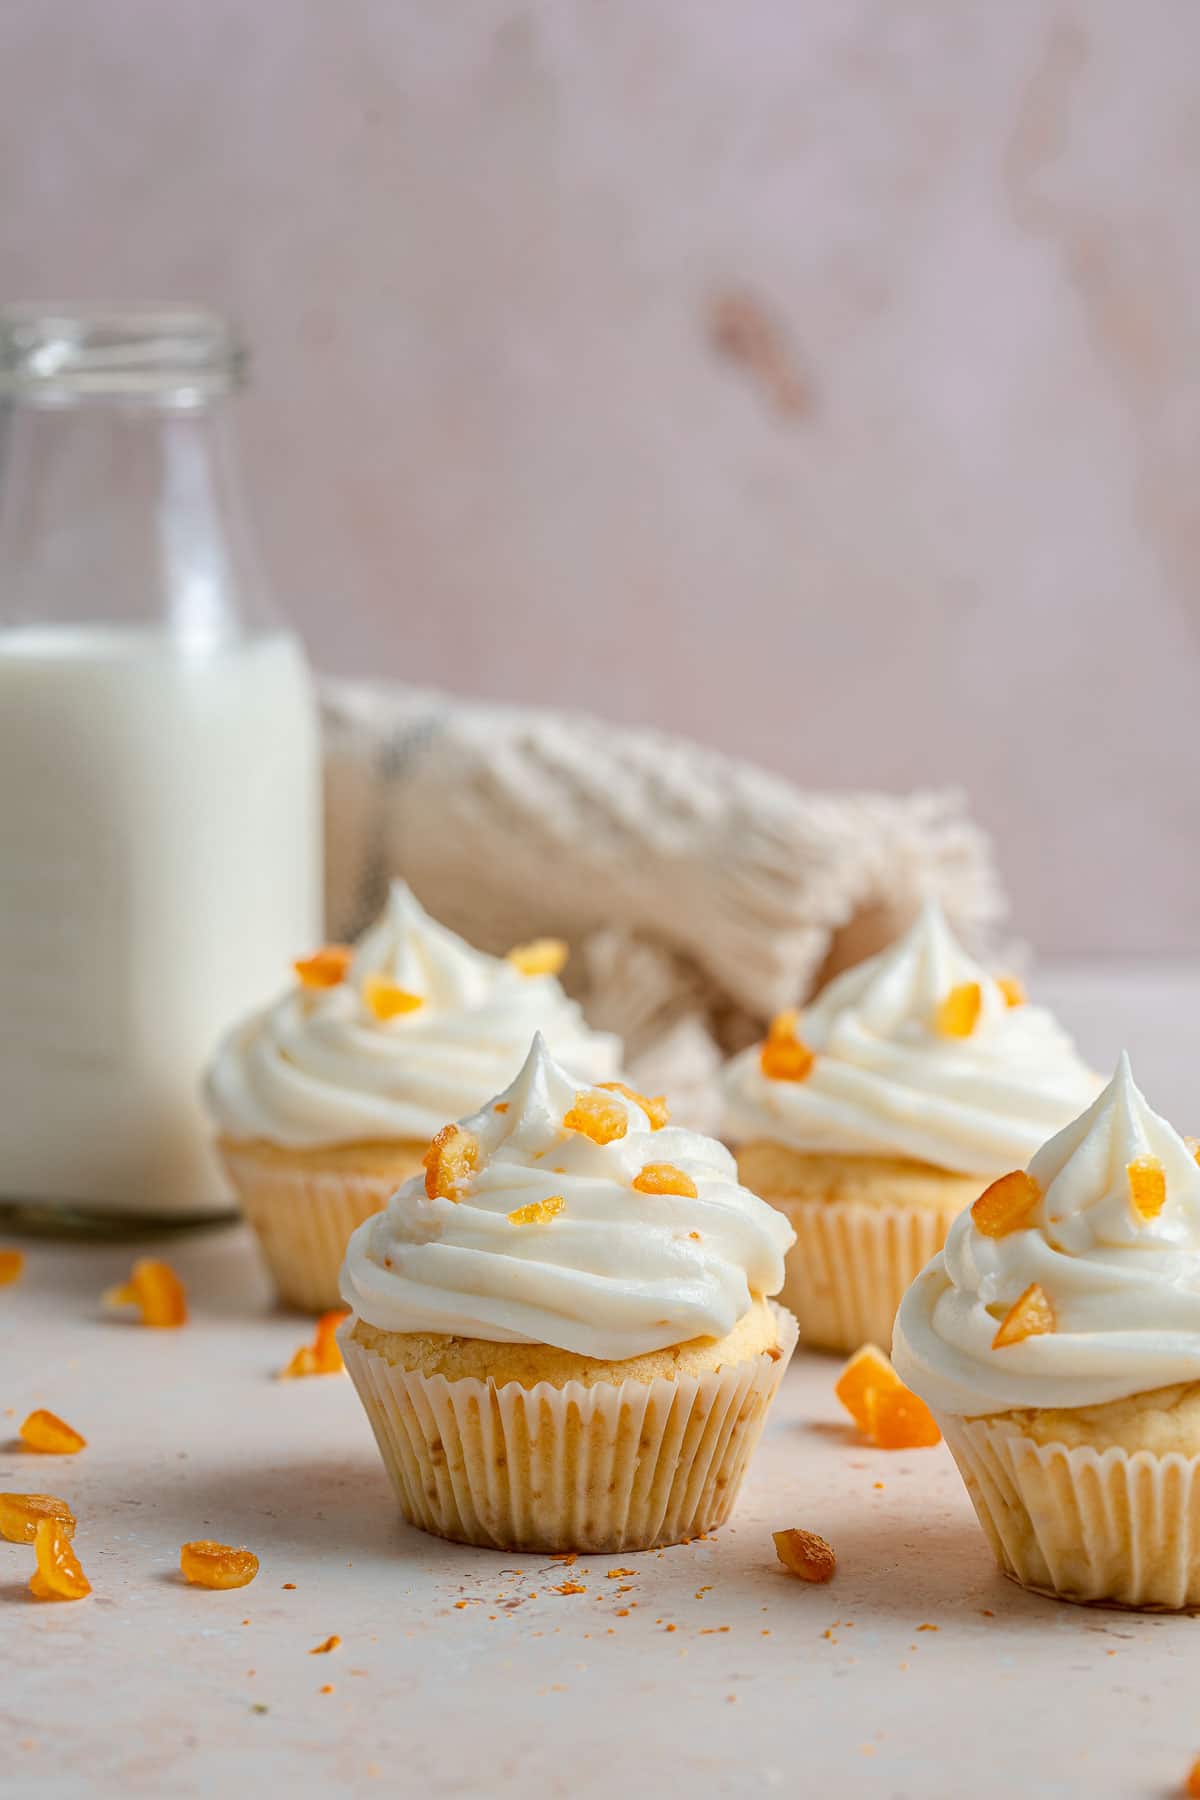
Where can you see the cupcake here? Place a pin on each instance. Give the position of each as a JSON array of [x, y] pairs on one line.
[[910, 1082], [326, 1099], [562, 1334], [1057, 1341]]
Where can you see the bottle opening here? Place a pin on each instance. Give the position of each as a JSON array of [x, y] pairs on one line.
[[52, 355]]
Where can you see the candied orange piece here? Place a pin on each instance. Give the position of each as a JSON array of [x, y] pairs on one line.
[[601, 1120], [538, 1212], [58, 1575], [902, 1421], [868, 1374], [664, 1178], [1192, 1786], [544, 956], [45, 1431], [1006, 1205], [805, 1554], [783, 1057], [958, 1013], [1012, 989], [12, 1264], [1147, 1186], [325, 968], [322, 1356], [449, 1161], [157, 1292], [20, 1515], [217, 1565], [386, 1000], [1031, 1316], [1193, 1145], [653, 1105]]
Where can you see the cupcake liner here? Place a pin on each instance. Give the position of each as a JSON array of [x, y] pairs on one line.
[[851, 1266], [612, 1467], [303, 1221], [1083, 1524]]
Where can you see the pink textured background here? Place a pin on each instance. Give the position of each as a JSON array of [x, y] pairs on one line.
[[938, 520]]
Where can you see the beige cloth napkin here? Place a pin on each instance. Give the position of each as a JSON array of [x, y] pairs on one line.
[[699, 894]]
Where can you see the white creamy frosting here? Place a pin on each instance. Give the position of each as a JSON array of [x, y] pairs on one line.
[[1125, 1290], [318, 1068], [886, 1082], [616, 1273]]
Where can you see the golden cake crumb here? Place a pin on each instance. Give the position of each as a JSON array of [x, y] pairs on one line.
[[333, 1642], [450, 1160], [1031, 1316], [805, 1555], [664, 1178], [538, 1212], [653, 1105]]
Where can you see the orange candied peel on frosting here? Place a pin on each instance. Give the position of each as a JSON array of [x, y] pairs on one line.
[[601, 1120], [21, 1514], [783, 1057], [157, 1292], [211, 1565], [1147, 1187], [958, 1013], [538, 1212], [664, 1178], [1012, 989], [1006, 1205], [1030, 1316], [653, 1105], [325, 968], [46, 1432], [544, 956], [12, 1264], [322, 1356], [387, 1001], [58, 1575], [450, 1160], [804, 1554], [891, 1415]]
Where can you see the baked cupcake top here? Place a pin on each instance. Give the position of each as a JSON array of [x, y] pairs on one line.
[[572, 1216], [917, 1052], [1070, 1284], [387, 1040]]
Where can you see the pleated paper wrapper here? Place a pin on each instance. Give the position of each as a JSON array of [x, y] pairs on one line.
[[303, 1220], [851, 1266], [1081, 1524], [611, 1467]]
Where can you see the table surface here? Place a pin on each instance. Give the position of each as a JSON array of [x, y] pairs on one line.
[[919, 1671]]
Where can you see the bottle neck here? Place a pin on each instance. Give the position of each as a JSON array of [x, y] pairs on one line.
[[126, 514]]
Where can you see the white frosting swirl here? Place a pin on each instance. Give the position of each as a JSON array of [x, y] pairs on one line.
[[886, 1082], [318, 1068], [616, 1273], [1125, 1289]]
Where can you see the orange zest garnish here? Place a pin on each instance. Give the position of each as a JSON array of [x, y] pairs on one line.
[[46, 1432], [664, 1178], [783, 1057], [1147, 1187], [958, 1013], [653, 1105], [1006, 1205], [450, 1160], [322, 1356], [157, 1292], [1031, 1316], [387, 1001], [804, 1554], [331, 1643], [325, 968], [210, 1565], [21, 1514], [538, 1212], [544, 956], [12, 1265], [1012, 989], [891, 1415], [601, 1120], [58, 1575]]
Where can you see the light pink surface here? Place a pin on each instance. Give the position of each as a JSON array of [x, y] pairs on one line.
[[940, 521]]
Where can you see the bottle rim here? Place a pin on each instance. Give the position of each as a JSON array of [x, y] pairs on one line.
[[52, 354]]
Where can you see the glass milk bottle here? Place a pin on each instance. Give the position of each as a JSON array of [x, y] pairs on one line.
[[159, 766]]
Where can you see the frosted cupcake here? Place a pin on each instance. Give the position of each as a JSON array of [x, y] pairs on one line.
[[562, 1335], [326, 1099], [910, 1082], [1057, 1341]]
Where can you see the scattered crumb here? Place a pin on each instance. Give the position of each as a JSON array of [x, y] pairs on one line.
[[327, 1689], [615, 1574], [985, 1613], [927, 1628], [289, 1585], [670, 1628], [258, 1707], [331, 1643], [701, 1591], [805, 1555], [569, 1587], [712, 1630]]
